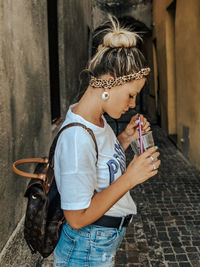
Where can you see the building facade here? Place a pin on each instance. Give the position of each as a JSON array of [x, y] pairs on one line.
[[176, 60]]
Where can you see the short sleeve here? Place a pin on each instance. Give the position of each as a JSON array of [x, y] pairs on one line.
[[75, 168]]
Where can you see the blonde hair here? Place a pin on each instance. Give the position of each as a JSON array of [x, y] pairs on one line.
[[118, 54], [118, 36]]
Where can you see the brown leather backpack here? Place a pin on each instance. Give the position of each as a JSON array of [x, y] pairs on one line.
[[44, 217]]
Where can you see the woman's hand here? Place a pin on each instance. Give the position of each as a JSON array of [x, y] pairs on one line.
[[131, 131], [143, 167]]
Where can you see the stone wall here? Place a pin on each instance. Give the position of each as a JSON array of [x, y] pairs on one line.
[[138, 9], [75, 27], [24, 100], [25, 115]]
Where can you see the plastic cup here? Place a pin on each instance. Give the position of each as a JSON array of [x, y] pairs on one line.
[[148, 141]]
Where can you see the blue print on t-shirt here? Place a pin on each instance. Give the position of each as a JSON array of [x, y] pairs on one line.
[[119, 161], [120, 157], [113, 169]]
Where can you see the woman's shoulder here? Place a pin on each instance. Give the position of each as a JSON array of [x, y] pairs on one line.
[[76, 135]]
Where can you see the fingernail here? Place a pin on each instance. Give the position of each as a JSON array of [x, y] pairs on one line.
[[137, 121], [156, 147]]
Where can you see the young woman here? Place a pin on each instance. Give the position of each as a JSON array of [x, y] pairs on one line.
[[94, 193]]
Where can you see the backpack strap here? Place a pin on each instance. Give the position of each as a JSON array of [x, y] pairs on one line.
[[53, 146], [48, 177], [40, 176]]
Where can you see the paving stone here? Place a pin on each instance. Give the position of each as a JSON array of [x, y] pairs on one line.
[[191, 249], [165, 244], [167, 250], [170, 257], [133, 257], [173, 264], [185, 264], [184, 238], [181, 257], [193, 256], [186, 243], [196, 243], [195, 263], [122, 257], [179, 250], [176, 244]]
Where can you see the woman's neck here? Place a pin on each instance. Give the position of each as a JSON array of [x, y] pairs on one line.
[[89, 107]]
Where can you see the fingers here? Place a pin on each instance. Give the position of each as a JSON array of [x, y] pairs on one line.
[[153, 169], [153, 173], [146, 126], [149, 152], [150, 174], [151, 157], [134, 119], [145, 166], [132, 124], [154, 157], [157, 164]]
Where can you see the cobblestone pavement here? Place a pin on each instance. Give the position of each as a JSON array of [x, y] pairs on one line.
[[166, 230]]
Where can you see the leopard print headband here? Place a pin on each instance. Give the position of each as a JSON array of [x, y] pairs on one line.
[[107, 84]]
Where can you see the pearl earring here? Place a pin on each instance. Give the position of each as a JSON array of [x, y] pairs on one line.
[[105, 96]]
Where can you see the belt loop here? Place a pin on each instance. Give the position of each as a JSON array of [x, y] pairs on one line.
[[121, 223]]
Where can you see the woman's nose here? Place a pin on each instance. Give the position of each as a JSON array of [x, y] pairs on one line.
[[132, 103]]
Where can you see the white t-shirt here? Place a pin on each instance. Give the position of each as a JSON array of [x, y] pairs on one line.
[[76, 173]]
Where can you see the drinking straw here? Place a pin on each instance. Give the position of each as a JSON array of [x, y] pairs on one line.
[[140, 135]]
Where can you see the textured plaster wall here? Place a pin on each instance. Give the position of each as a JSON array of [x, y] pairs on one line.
[[187, 64], [24, 100], [151, 97], [188, 78], [139, 10], [159, 16], [74, 44], [25, 117]]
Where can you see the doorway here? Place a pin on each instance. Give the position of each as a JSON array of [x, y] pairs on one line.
[[53, 59]]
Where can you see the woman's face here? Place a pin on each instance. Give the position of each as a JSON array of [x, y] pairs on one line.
[[122, 98]]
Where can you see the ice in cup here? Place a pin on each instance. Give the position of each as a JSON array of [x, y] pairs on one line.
[[147, 140]]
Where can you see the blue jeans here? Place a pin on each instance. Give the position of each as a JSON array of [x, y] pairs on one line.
[[91, 246]]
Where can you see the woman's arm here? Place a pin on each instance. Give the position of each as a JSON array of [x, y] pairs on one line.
[[138, 171], [124, 140]]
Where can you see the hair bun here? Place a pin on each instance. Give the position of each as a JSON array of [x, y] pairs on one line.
[[120, 39], [118, 36]]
